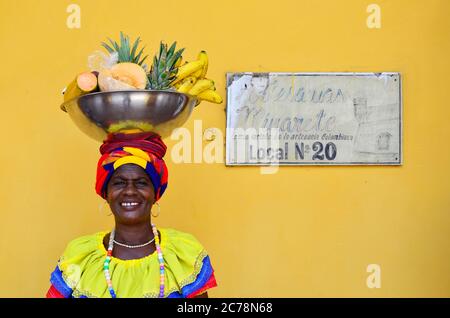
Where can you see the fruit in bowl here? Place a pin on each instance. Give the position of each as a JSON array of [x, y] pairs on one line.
[[122, 77], [120, 92]]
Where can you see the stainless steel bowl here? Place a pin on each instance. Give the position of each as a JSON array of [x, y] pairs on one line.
[[101, 113]]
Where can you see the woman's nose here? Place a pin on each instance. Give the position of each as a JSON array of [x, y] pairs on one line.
[[130, 188]]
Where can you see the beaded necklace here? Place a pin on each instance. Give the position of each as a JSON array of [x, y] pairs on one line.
[[108, 260]]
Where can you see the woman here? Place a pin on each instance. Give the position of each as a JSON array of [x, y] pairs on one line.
[[135, 259]]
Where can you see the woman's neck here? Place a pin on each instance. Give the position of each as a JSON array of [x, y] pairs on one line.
[[133, 234]]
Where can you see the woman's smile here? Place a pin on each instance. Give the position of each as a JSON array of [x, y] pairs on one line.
[[130, 205]]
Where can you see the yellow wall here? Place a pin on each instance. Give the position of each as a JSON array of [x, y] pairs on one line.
[[304, 231]]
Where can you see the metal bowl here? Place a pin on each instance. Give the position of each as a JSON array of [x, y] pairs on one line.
[[101, 113]]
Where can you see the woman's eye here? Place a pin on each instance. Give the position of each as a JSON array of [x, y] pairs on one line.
[[142, 182], [118, 183]]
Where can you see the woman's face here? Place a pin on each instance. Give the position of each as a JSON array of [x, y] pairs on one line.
[[130, 194]]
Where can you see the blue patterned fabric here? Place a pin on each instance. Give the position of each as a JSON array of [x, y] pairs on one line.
[[58, 282], [201, 280]]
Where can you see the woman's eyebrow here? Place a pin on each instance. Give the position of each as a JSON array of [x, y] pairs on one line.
[[124, 178]]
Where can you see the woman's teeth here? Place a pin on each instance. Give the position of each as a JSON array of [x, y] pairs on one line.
[[129, 203]]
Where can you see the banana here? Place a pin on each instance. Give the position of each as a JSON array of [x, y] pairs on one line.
[[71, 91], [83, 83], [200, 86], [202, 56], [186, 84], [210, 96], [187, 69]]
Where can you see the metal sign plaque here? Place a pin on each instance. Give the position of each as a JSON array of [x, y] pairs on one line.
[[314, 118]]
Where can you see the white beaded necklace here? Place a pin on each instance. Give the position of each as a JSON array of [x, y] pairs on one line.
[[134, 246]]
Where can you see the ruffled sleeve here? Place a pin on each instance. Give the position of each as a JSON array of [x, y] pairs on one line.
[[78, 254], [188, 265]]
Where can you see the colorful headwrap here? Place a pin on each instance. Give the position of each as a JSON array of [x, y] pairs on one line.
[[143, 149]]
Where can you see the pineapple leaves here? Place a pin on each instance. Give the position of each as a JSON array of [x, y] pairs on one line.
[[108, 48], [139, 55], [135, 45], [124, 51], [142, 61], [172, 49]]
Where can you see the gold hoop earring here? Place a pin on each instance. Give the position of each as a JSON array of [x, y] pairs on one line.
[[102, 207], [159, 210]]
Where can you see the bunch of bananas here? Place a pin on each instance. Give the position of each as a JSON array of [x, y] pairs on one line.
[[190, 79]]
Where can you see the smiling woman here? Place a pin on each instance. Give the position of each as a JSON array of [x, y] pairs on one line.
[[135, 259]]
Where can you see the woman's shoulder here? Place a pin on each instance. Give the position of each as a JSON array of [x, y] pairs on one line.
[[84, 245], [80, 254], [177, 240]]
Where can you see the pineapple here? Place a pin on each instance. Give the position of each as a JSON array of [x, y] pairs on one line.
[[164, 68], [124, 52]]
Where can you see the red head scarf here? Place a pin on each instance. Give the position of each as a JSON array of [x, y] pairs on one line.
[[143, 149]]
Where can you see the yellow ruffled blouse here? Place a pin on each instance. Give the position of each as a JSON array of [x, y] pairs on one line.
[[79, 273]]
